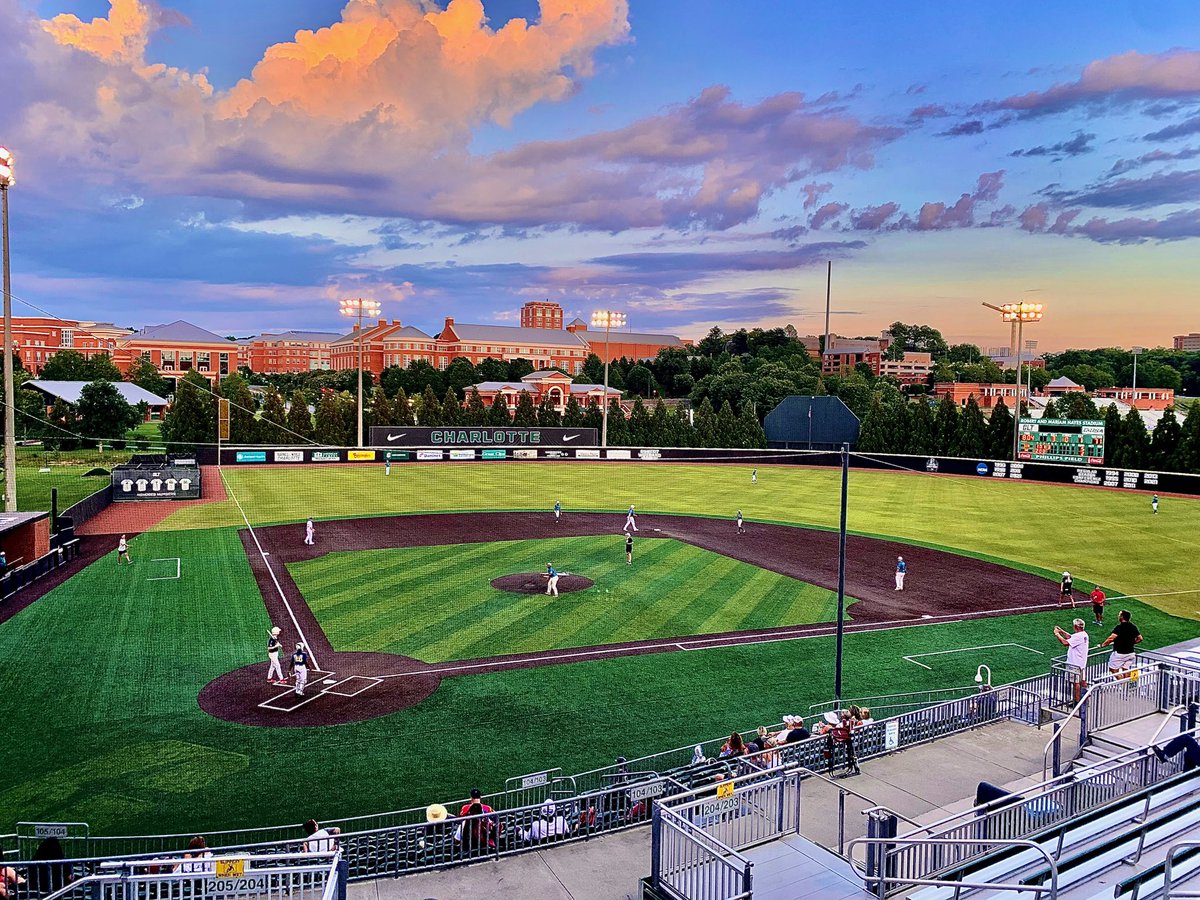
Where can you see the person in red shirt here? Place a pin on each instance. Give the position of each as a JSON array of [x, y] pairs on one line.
[[1098, 606]]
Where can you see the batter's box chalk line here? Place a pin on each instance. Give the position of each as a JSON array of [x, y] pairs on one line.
[[168, 559], [289, 701], [914, 657]]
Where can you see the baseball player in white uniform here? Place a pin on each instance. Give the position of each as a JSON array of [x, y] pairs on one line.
[[309, 531], [629, 519], [300, 668], [740, 528], [754, 476], [274, 647], [551, 580], [901, 571], [123, 551]]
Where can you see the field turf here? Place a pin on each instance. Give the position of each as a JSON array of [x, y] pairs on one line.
[[100, 677], [437, 603]]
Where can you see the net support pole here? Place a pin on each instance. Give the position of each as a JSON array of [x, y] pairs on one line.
[[841, 595]]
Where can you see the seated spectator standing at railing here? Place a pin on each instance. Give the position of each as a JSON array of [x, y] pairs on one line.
[[1185, 744], [734, 747], [549, 824], [197, 850], [1077, 655], [320, 840], [475, 834], [841, 734], [50, 874]]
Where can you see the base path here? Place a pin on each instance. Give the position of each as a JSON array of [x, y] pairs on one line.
[[940, 587]]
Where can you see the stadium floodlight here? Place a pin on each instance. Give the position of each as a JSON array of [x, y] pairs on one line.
[[7, 180], [1018, 314], [607, 319], [1136, 351], [360, 308]]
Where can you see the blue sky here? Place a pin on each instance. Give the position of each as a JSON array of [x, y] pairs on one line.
[[694, 164]]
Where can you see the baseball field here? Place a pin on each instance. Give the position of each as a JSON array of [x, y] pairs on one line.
[[135, 697]]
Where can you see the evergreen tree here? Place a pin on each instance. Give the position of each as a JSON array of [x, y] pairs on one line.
[[378, 411], [451, 408], [639, 424], [872, 437], [1187, 457], [271, 427], [498, 414], [192, 417], [402, 413], [661, 432], [525, 415], [999, 432], [618, 429], [1113, 437], [547, 415], [474, 413], [705, 425], [1051, 411], [1164, 444], [431, 411], [970, 439], [593, 417], [299, 419], [573, 415], [329, 427], [901, 430], [945, 426], [922, 430], [1135, 442], [751, 430], [727, 428]]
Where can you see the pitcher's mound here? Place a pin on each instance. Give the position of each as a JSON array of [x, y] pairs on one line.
[[535, 583]]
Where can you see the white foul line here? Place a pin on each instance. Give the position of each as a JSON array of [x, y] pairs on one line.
[[913, 658], [178, 569], [267, 563]]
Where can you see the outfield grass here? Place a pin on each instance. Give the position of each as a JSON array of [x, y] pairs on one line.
[[34, 486], [99, 683], [1109, 537], [437, 603]]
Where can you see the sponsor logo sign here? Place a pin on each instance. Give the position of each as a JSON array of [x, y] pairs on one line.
[[492, 453], [554, 454], [166, 483], [326, 456], [583, 453], [981, 468], [180, 461], [523, 453], [931, 465], [251, 456], [360, 455], [288, 456], [429, 454], [409, 436], [620, 454], [650, 453], [396, 454], [462, 454]]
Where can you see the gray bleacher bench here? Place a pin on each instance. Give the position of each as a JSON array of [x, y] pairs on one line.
[[1152, 878]]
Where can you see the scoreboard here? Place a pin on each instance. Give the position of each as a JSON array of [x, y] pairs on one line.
[[1075, 441]]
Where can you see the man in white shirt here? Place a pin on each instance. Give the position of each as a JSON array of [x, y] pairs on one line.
[[1077, 644], [548, 825]]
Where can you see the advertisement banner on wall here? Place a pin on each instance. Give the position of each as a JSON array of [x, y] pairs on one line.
[[522, 453], [360, 455], [555, 454], [620, 454], [326, 456], [493, 453], [409, 436], [650, 453], [429, 454], [251, 456], [397, 454], [585, 453], [462, 454], [288, 456]]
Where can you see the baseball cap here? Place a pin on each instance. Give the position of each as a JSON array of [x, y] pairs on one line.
[[476, 794], [548, 810], [276, 631]]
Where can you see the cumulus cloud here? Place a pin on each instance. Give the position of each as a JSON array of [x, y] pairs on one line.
[[813, 192], [872, 218], [1076, 146]]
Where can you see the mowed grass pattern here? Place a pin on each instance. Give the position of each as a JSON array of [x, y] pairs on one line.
[[437, 603]]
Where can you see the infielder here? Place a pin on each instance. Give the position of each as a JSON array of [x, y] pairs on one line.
[[557, 511], [740, 529], [300, 668], [551, 580], [901, 571], [309, 531], [1154, 504], [123, 551], [274, 647], [1064, 590], [629, 520]]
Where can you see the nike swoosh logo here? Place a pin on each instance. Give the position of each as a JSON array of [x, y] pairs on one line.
[[570, 438], [396, 437]]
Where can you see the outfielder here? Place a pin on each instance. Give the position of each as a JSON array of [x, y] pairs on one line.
[[740, 529], [629, 520], [274, 646], [901, 571], [387, 467], [1154, 504], [551, 580], [557, 511], [754, 476], [123, 551], [300, 668], [309, 531]]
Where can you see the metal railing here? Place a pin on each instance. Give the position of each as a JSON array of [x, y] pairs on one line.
[[884, 881], [887, 705], [1170, 874], [689, 864]]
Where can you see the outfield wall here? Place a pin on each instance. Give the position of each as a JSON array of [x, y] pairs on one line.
[[1087, 476]]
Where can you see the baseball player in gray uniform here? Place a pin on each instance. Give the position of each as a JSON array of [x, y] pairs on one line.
[[300, 667]]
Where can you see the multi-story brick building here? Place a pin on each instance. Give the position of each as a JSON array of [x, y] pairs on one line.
[[986, 395], [544, 347], [1187, 341], [287, 351], [1139, 398], [404, 346], [624, 344], [553, 385], [912, 368], [843, 354], [343, 351], [178, 348], [542, 314], [36, 339]]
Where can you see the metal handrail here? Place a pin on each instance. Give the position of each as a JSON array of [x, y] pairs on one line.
[[1168, 872], [1167, 721], [76, 885], [1060, 727], [879, 883]]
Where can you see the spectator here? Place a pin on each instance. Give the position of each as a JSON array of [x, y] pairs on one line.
[[734, 747], [1185, 744], [1077, 655], [52, 875], [549, 824], [842, 734], [320, 840], [697, 755], [197, 848], [1124, 639], [760, 741], [864, 716], [9, 881], [793, 731], [474, 834], [476, 798]]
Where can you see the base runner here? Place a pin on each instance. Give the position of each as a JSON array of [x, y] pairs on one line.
[[274, 647]]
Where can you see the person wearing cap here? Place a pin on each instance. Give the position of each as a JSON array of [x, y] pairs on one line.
[[1076, 643], [1064, 590], [630, 520], [551, 580], [274, 647], [309, 531], [901, 570], [300, 667], [550, 823], [476, 797]]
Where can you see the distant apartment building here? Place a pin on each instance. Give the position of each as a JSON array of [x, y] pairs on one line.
[[912, 368], [178, 348], [544, 347], [842, 355], [344, 350], [986, 395], [1139, 398], [542, 314], [36, 339], [287, 352], [624, 344], [1187, 341]]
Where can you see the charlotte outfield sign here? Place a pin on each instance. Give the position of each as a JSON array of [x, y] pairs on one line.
[[482, 437]]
